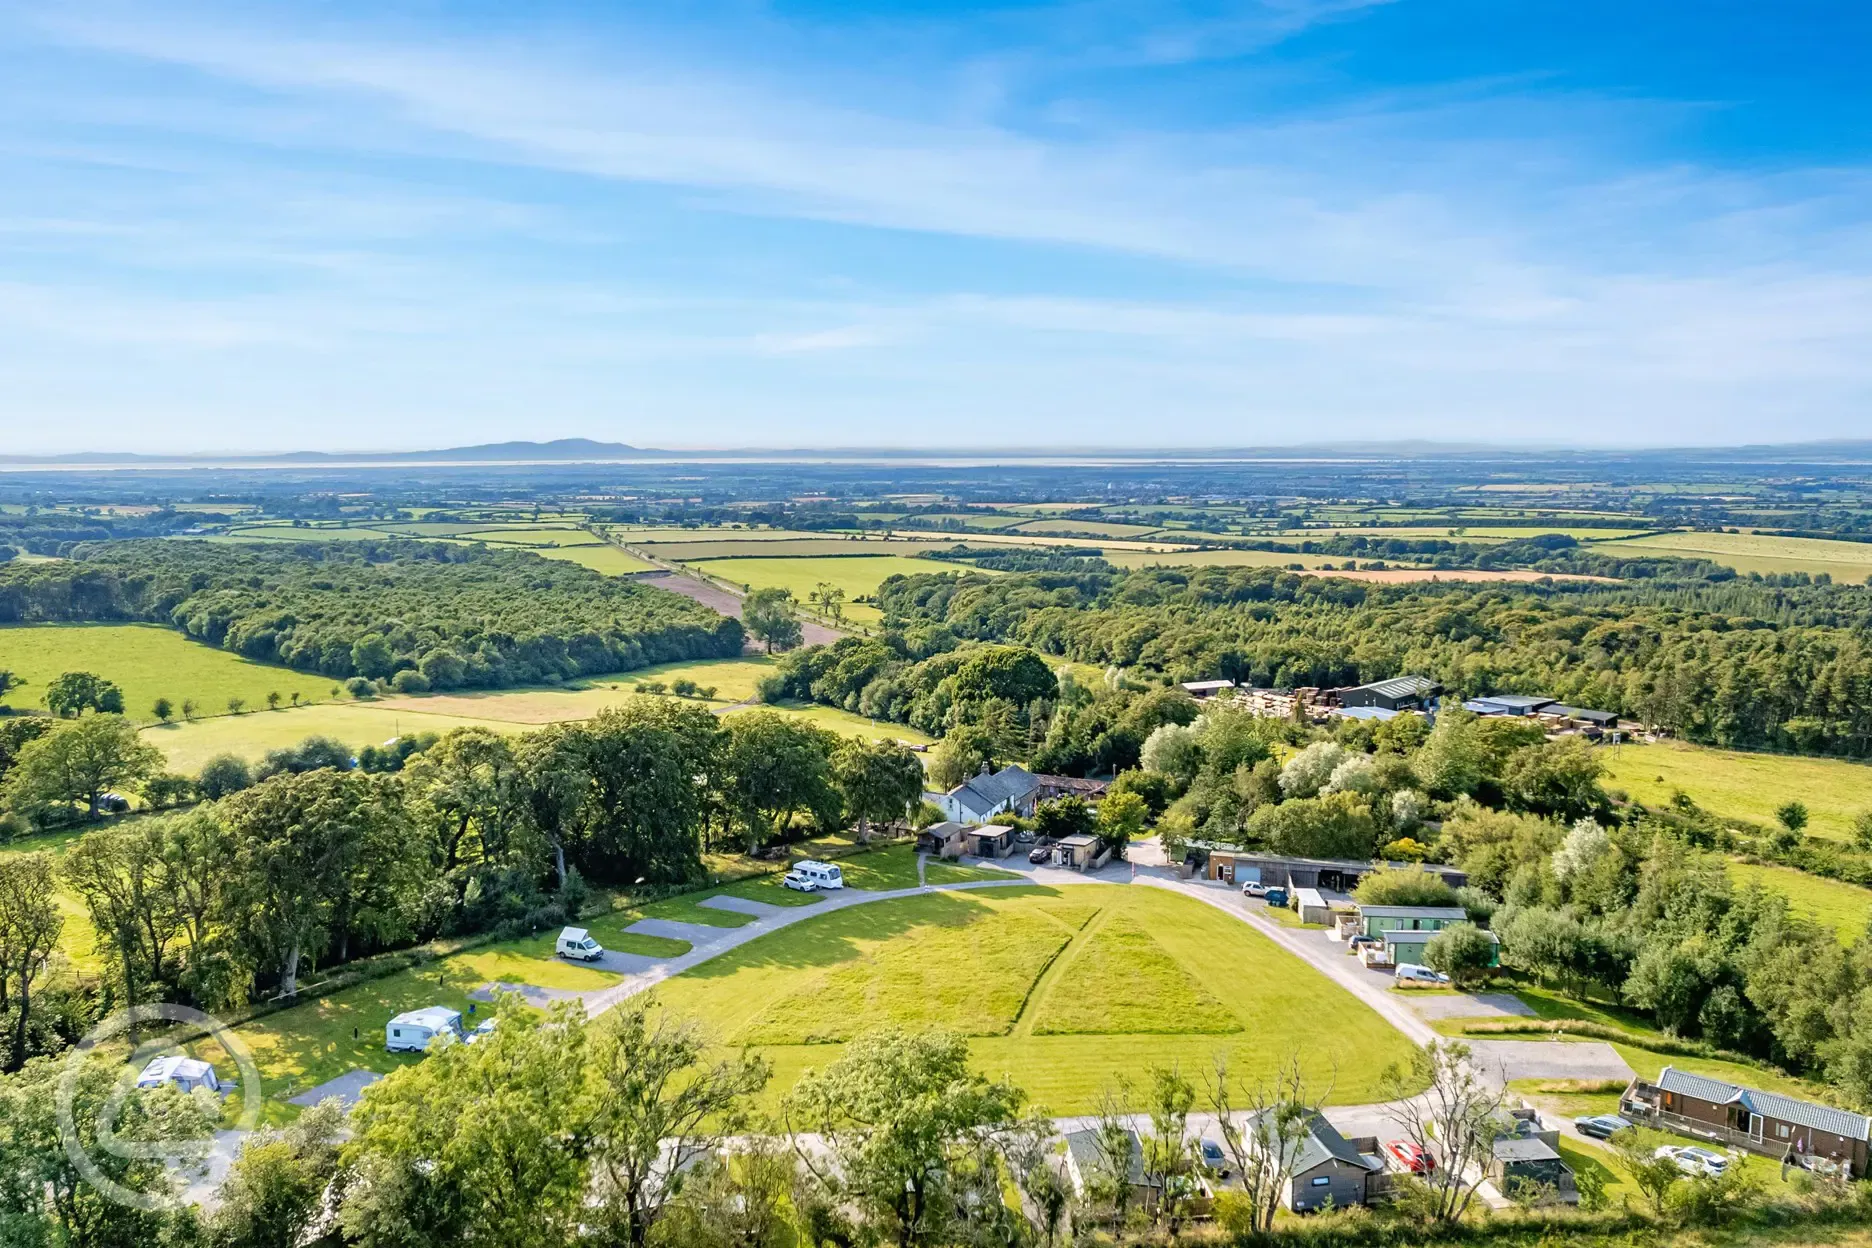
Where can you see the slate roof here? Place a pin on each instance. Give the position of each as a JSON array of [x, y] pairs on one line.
[[984, 793], [1321, 1143], [1517, 701], [1768, 1104], [1083, 1145], [1524, 1148]]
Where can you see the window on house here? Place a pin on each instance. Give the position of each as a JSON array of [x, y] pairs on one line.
[[1322, 1181], [1782, 1131]]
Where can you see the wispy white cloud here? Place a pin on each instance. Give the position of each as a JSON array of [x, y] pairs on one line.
[[1451, 261]]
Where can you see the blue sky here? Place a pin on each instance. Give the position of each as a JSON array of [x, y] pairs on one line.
[[356, 226]]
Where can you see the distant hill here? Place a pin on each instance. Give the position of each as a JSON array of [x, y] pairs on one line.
[[558, 450]]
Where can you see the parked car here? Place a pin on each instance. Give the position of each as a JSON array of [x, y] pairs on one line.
[[799, 882], [1254, 888], [1411, 973], [483, 1030], [1214, 1158], [1693, 1160], [1601, 1126], [1359, 942], [1039, 854], [1412, 1157]]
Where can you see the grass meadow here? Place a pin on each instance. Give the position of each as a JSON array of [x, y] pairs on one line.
[[856, 575], [1846, 562], [1041, 981], [147, 661], [606, 559], [1846, 908], [1744, 785]]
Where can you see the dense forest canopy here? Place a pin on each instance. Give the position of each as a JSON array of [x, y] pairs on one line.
[[460, 615], [1731, 663]]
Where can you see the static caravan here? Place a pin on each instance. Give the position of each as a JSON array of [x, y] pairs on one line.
[[416, 1030]]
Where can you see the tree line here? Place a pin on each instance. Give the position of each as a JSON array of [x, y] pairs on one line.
[[311, 860], [1739, 664], [426, 615]]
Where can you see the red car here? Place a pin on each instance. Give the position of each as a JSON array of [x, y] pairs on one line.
[[1411, 1156]]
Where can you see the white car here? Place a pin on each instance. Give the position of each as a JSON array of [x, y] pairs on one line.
[[1254, 888], [1412, 973], [483, 1031], [799, 882], [1693, 1160]]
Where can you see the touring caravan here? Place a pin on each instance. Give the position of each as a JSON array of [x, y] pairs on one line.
[[822, 874], [186, 1073], [415, 1031]]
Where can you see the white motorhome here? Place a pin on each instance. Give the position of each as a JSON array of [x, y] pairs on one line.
[[822, 874], [577, 943], [416, 1030]]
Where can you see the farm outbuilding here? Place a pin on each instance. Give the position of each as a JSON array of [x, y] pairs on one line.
[[1078, 852], [1334, 875], [945, 840], [989, 841], [1312, 906]]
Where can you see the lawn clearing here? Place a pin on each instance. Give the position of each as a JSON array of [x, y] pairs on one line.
[[147, 661], [876, 962], [940, 872], [1743, 785], [1846, 908], [881, 870], [77, 939], [1121, 980]]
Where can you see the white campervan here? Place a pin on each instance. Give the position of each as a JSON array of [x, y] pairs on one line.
[[576, 943], [415, 1031], [822, 874]]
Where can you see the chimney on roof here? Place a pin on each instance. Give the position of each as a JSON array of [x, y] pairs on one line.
[[984, 768]]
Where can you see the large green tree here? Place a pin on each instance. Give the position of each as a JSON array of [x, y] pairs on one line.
[[769, 617], [483, 1145], [79, 761], [645, 767], [907, 1123], [879, 780], [117, 873], [773, 768], [30, 924], [71, 694], [658, 1102], [307, 849]]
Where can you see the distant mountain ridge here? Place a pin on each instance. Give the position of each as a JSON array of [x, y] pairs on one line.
[[588, 450]]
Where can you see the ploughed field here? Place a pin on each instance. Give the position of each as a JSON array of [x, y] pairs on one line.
[[1063, 989]]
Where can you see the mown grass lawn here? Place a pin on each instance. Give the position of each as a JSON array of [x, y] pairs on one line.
[[251, 735], [147, 662], [1744, 785], [980, 962], [941, 872]]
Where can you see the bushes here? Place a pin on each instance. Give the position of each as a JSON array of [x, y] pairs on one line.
[[1409, 886], [223, 774]]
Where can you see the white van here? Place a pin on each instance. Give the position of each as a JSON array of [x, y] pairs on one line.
[[576, 943], [821, 874], [415, 1031]]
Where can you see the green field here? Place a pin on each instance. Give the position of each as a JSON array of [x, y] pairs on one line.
[[1009, 966], [309, 533], [848, 722], [357, 724], [1846, 562], [1101, 528], [533, 535], [708, 533], [1846, 908], [147, 661], [803, 548], [78, 939], [1743, 785], [856, 576], [606, 559], [733, 681], [1216, 558]]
